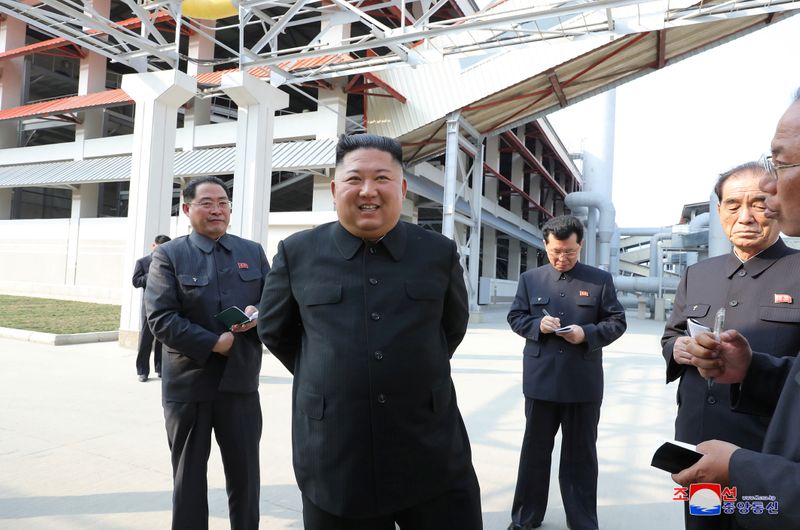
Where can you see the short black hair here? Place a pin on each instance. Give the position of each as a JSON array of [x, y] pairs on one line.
[[191, 188], [562, 227], [352, 142], [161, 239], [754, 167]]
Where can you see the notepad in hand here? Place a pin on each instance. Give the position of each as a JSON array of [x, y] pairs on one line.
[[233, 315], [674, 458]]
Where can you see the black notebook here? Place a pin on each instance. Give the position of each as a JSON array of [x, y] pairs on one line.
[[674, 458]]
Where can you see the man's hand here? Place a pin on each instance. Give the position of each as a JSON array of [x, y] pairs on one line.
[[574, 336], [241, 328], [726, 360], [713, 467], [549, 324], [679, 352], [224, 344]]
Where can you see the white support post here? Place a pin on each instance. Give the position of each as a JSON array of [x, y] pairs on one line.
[[12, 74], [198, 112], [158, 96], [252, 180], [476, 206], [450, 176], [91, 79], [5, 203]]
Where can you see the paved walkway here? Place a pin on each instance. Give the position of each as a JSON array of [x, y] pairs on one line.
[[82, 443]]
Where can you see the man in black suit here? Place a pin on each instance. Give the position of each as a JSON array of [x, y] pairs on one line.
[[754, 283], [146, 335], [567, 312], [366, 313], [760, 383], [210, 377]]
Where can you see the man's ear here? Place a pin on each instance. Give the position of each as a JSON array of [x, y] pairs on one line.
[[405, 187], [185, 208]]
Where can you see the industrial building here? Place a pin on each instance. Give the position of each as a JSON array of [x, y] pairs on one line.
[[108, 107]]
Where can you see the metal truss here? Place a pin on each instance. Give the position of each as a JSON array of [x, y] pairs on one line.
[[390, 33], [464, 156]]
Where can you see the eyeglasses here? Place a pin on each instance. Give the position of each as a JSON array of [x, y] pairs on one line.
[[773, 168], [565, 253], [210, 205]]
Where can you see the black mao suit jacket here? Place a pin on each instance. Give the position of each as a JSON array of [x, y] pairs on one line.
[[756, 296], [554, 369], [191, 279], [368, 331]]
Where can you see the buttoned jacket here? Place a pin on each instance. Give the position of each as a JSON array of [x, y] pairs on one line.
[[368, 331], [140, 269], [191, 279], [554, 369], [761, 298]]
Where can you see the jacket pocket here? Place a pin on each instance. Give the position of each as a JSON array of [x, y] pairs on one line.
[[423, 290], [248, 275], [697, 310], [310, 404], [322, 294], [540, 300], [586, 301], [789, 315]]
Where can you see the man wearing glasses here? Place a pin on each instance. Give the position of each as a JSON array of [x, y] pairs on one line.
[[760, 383], [210, 372], [755, 284], [567, 312]]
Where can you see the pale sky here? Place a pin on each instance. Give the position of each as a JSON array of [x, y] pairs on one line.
[[678, 128]]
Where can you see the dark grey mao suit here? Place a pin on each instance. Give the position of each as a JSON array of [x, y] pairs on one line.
[[750, 293], [146, 338], [368, 331], [192, 278], [563, 386]]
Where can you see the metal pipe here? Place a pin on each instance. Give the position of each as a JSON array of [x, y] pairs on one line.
[[605, 227], [450, 172], [645, 285]]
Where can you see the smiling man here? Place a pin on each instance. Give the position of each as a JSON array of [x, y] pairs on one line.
[[366, 313], [210, 373], [754, 283]]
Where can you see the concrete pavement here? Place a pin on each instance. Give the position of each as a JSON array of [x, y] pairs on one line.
[[82, 443]]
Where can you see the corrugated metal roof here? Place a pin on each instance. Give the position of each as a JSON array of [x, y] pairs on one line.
[[215, 78], [106, 98], [517, 85], [286, 156], [49, 44]]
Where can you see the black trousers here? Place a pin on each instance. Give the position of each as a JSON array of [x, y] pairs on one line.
[[456, 509], [577, 472], [146, 341], [236, 422]]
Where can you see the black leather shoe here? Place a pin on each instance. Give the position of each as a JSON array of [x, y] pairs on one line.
[[159, 374], [142, 378], [528, 526]]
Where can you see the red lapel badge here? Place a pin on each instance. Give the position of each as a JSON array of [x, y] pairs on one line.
[[783, 298], [243, 265], [583, 293]]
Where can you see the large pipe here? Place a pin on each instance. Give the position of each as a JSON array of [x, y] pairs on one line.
[[699, 222], [656, 265], [605, 228], [643, 231], [645, 285]]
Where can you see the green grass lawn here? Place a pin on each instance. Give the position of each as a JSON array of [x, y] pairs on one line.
[[57, 316]]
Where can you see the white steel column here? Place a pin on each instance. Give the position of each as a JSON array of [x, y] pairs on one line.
[[476, 206], [252, 178], [492, 155], [198, 112], [518, 178], [158, 96], [450, 174], [91, 79], [12, 35]]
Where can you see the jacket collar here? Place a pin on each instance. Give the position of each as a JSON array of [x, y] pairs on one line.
[[207, 244], [554, 275], [759, 263], [394, 241]]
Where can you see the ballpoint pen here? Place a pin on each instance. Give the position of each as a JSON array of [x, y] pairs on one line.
[[719, 323]]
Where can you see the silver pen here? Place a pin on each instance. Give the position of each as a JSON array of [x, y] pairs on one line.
[[719, 324], [546, 313]]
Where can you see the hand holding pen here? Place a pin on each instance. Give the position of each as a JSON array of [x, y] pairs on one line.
[[549, 323], [719, 324]]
